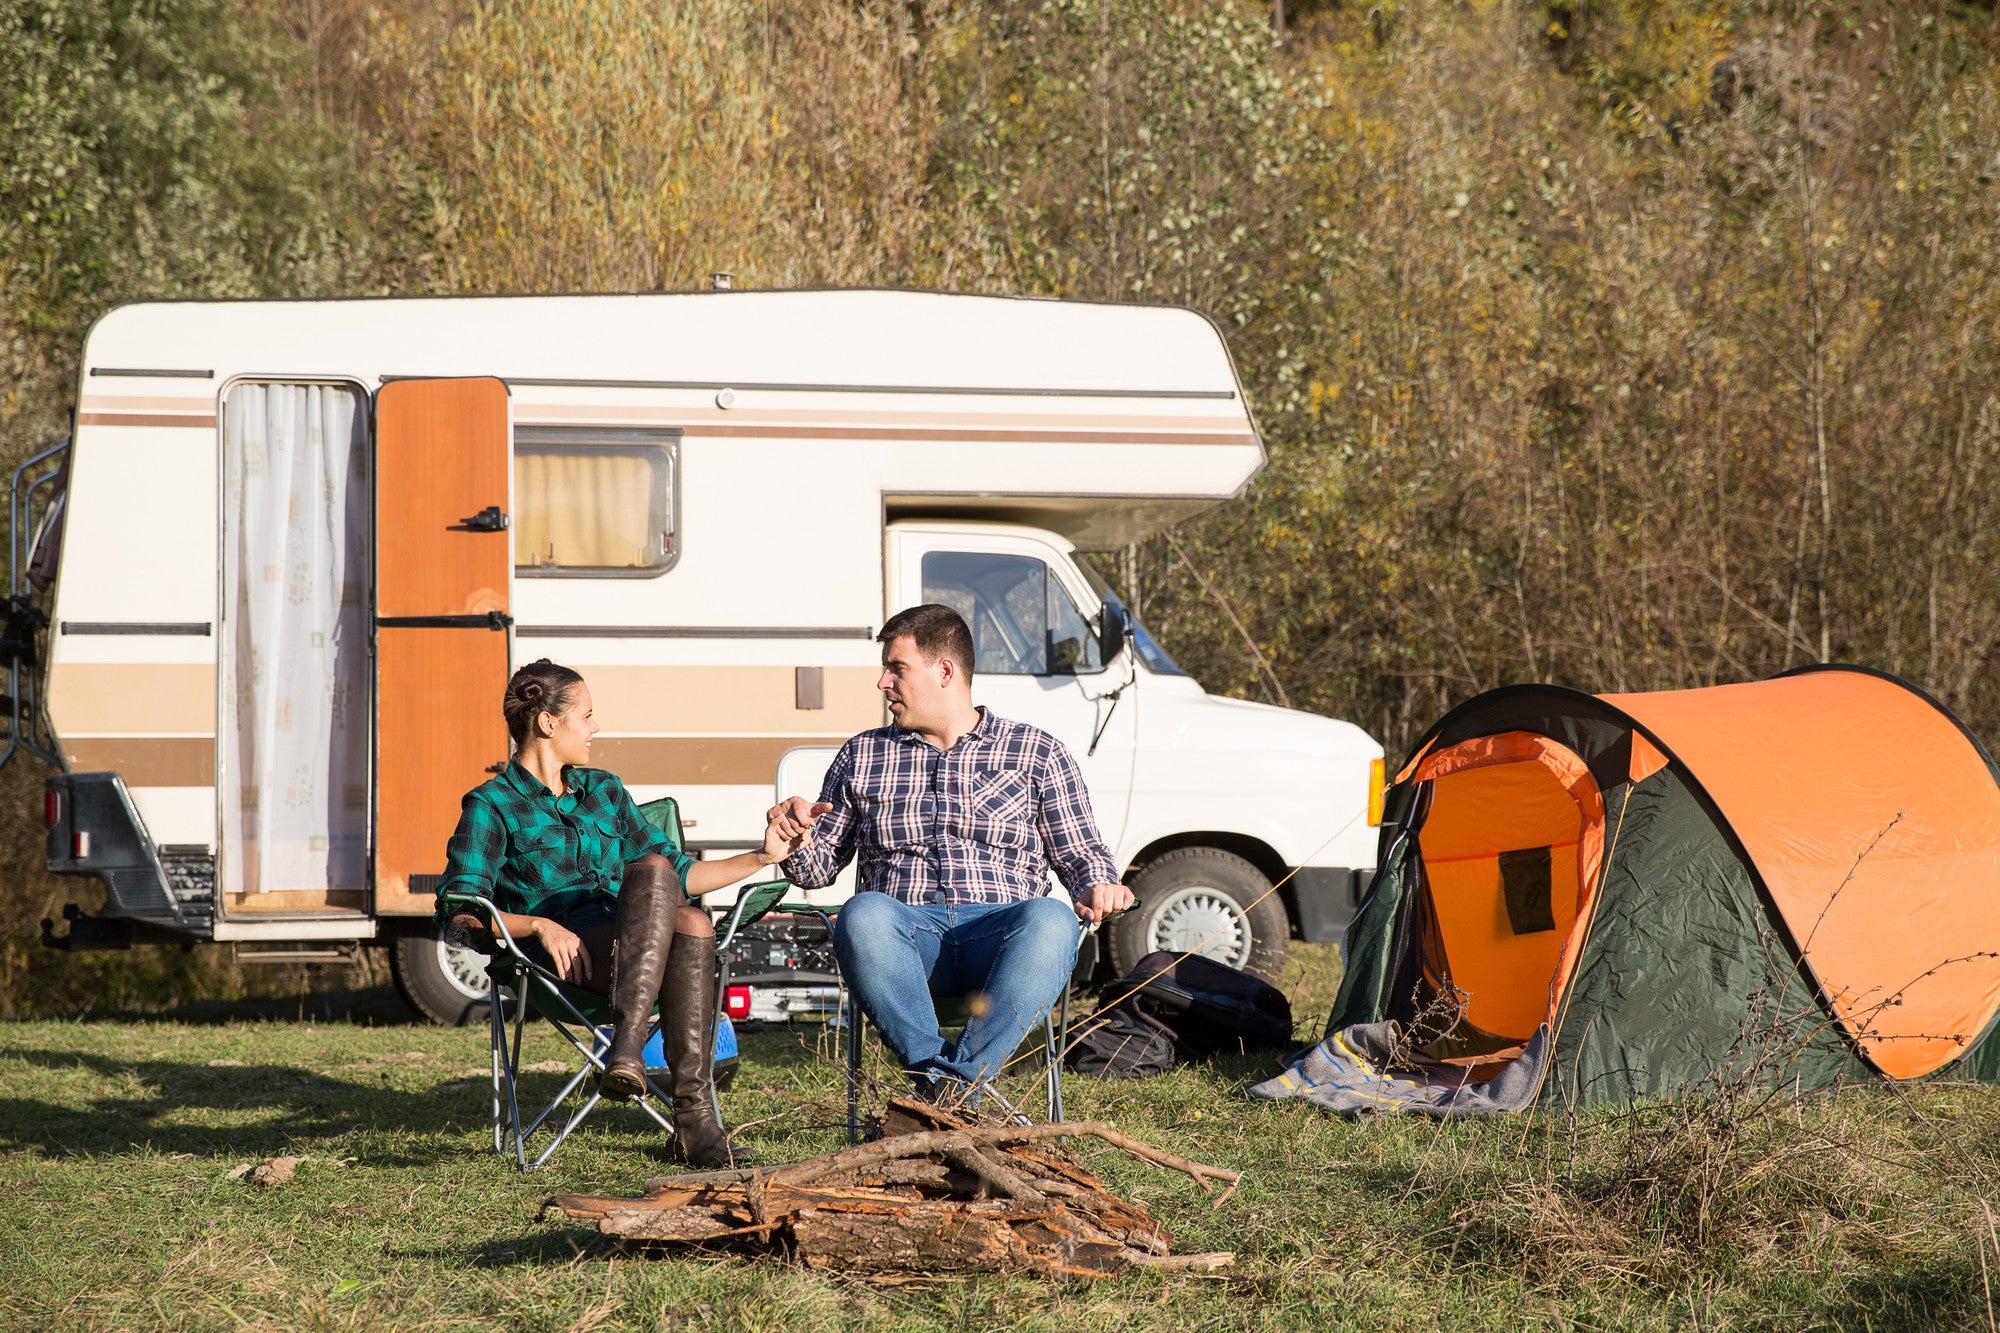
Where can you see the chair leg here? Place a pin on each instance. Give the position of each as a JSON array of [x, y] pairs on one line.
[[852, 1033], [1054, 1033], [508, 1056], [496, 1043]]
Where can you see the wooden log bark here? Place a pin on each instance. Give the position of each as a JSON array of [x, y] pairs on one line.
[[778, 1200], [938, 1237], [1200, 1263], [672, 1224]]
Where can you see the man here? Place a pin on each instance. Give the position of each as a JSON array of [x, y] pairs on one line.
[[958, 817]]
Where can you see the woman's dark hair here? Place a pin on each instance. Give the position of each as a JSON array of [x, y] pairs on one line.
[[539, 687]]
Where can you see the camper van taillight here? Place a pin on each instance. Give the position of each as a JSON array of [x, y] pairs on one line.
[[736, 1002], [1376, 774], [51, 807], [79, 845]]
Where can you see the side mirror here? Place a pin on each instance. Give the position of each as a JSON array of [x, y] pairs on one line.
[[1112, 631]]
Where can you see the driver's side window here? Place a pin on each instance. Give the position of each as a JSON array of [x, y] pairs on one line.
[[1023, 623]]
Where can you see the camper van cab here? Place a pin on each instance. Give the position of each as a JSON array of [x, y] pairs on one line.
[[295, 548]]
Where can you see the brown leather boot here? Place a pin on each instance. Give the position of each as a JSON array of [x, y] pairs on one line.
[[687, 1027], [647, 901]]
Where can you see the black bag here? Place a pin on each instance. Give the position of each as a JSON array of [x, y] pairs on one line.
[[1120, 1042], [1210, 1006], [1172, 1008]]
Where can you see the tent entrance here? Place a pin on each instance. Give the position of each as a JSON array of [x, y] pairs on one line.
[[1509, 848]]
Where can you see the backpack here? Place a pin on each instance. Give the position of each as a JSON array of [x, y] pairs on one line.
[[1172, 1008], [1120, 1042], [1210, 1007]]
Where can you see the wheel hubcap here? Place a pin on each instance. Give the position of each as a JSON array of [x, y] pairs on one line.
[[464, 968], [1202, 920]]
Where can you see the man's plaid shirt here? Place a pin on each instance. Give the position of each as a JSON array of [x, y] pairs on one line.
[[982, 822], [540, 854]]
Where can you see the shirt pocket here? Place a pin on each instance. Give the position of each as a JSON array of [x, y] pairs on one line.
[[547, 856], [604, 845], [1001, 806]]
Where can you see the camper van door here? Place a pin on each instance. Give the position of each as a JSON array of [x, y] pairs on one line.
[[444, 556], [1035, 645]]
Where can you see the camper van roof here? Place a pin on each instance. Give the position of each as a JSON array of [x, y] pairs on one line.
[[891, 340], [1104, 423]]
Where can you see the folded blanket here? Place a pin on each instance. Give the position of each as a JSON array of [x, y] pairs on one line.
[[1349, 1074]]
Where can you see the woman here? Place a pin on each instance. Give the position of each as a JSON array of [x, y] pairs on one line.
[[594, 892]]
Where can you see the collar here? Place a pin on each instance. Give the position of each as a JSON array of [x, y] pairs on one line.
[[527, 784], [981, 732]]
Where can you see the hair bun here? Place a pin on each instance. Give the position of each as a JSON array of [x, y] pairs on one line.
[[539, 687]]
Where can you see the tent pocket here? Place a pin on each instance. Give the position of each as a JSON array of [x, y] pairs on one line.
[[1525, 882]]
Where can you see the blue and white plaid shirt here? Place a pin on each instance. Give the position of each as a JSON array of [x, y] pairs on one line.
[[982, 822]]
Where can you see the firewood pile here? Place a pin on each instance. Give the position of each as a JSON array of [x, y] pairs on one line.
[[936, 1194]]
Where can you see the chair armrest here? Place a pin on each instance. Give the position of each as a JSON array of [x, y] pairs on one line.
[[452, 905], [753, 903], [488, 913]]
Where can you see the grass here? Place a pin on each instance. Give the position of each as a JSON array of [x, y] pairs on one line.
[[117, 1137]]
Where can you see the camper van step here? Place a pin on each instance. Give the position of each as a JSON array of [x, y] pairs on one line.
[[344, 953], [190, 875]]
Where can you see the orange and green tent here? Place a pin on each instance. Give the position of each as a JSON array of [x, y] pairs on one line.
[[1608, 897]]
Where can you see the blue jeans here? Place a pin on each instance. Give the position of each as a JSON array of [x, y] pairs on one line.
[[895, 956]]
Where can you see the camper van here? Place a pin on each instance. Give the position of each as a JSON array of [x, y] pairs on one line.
[[267, 597]]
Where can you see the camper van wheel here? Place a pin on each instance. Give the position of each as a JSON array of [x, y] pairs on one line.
[[443, 982], [1208, 901]]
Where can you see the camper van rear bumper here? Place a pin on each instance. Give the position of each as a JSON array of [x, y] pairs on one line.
[[95, 829]]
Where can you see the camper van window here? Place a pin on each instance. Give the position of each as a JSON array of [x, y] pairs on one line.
[[1023, 622], [594, 503], [1005, 601], [1073, 646]]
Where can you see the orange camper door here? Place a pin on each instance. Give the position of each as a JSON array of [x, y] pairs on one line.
[[443, 556]]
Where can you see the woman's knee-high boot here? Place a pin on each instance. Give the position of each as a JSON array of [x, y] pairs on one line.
[[687, 1026], [647, 901]]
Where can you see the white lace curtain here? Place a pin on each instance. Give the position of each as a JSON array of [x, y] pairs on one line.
[[295, 655]]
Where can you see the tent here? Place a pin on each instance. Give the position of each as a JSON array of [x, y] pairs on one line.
[[1585, 899]]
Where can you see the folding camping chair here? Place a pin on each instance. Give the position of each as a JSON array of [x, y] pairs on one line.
[[520, 990], [953, 1011]]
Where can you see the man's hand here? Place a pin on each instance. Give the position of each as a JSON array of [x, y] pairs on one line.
[[791, 819], [782, 837], [566, 951], [1101, 901]]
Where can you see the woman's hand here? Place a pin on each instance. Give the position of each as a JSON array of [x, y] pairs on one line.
[[778, 844], [565, 950]]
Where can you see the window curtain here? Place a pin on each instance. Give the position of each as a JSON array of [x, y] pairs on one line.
[[295, 661], [588, 508]]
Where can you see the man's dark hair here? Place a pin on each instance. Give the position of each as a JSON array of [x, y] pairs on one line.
[[938, 630]]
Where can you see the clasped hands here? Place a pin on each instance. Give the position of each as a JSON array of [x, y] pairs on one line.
[[791, 822]]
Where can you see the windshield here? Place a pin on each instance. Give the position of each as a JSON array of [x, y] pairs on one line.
[[1148, 648]]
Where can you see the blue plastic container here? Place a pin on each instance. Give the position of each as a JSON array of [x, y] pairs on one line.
[[656, 1052]]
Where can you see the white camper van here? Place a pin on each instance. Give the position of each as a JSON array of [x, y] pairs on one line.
[[294, 549]]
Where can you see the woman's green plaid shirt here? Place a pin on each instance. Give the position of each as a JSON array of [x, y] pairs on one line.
[[539, 854]]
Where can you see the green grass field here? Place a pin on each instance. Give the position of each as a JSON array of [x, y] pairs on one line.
[[118, 1136]]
